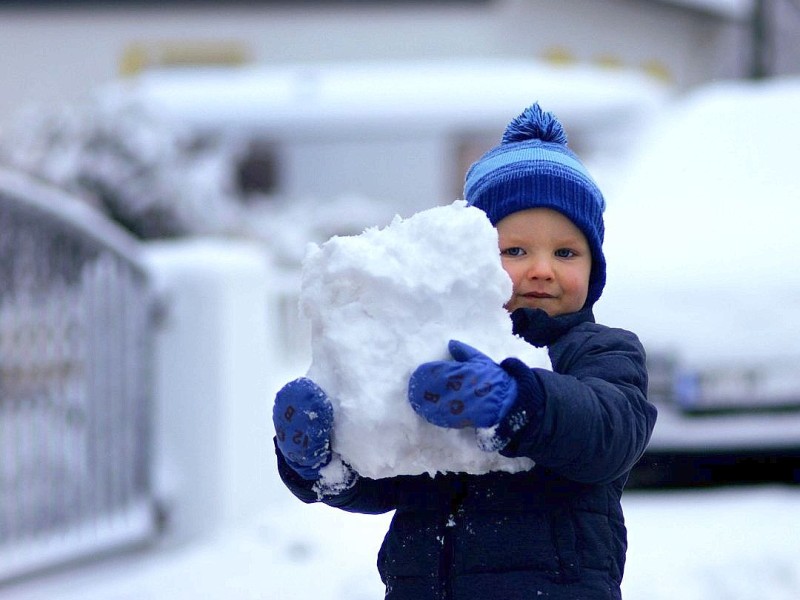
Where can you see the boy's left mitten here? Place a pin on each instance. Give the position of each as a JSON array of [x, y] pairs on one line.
[[303, 419], [469, 391]]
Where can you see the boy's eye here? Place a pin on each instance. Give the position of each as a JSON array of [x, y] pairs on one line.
[[514, 251], [564, 253]]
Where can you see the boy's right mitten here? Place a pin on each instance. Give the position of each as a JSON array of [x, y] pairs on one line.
[[303, 419]]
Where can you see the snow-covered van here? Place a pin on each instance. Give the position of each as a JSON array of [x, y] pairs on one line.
[[704, 264]]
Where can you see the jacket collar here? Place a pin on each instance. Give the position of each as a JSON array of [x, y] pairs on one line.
[[540, 329]]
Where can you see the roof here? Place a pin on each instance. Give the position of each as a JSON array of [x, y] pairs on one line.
[[725, 8], [436, 95]]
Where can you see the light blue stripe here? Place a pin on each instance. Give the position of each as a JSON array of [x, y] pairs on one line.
[[526, 154]]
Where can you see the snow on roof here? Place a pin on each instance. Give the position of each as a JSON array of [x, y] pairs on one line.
[[311, 99], [728, 8]]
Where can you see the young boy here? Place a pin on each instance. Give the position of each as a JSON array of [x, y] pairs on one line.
[[557, 530]]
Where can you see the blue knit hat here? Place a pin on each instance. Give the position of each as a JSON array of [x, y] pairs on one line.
[[533, 168]]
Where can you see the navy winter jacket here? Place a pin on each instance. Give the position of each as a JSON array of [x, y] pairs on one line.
[[556, 531]]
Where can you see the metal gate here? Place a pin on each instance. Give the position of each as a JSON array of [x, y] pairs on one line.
[[76, 330]]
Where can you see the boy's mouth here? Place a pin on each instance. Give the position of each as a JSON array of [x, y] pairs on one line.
[[537, 295]]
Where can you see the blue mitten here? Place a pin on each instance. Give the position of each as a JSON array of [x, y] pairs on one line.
[[303, 419], [470, 391]]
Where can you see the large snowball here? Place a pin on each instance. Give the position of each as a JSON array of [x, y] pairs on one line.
[[383, 302]]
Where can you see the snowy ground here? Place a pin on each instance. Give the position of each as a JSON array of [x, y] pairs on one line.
[[726, 544], [706, 545]]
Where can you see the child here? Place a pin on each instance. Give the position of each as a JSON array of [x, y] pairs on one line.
[[557, 530]]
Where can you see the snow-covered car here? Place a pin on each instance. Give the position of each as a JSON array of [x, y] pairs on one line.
[[704, 264]]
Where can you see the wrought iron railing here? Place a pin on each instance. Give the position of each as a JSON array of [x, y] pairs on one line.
[[76, 330]]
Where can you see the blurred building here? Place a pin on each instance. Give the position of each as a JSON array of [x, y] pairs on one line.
[[58, 50]]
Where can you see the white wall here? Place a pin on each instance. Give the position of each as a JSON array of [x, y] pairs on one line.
[[219, 362]]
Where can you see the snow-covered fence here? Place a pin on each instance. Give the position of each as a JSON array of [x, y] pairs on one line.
[[76, 328]]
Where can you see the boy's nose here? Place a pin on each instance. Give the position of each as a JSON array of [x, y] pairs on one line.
[[540, 268]]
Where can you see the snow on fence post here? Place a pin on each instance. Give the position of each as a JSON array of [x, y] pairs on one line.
[[76, 329], [222, 350]]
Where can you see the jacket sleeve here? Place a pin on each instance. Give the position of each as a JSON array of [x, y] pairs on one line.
[[359, 495], [589, 419]]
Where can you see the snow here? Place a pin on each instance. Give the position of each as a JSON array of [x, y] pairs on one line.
[[728, 544], [702, 227], [732, 544], [331, 99], [726, 8], [719, 167], [385, 301]]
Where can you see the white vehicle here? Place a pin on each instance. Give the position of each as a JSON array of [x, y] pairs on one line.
[[704, 264]]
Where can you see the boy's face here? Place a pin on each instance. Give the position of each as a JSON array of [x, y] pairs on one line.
[[548, 260]]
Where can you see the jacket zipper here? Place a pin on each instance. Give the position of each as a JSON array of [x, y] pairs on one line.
[[446, 558], [447, 555]]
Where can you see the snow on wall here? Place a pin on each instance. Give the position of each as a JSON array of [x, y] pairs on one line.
[[217, 366]]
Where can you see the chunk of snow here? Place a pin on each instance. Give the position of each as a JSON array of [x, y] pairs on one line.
[[385, 301]]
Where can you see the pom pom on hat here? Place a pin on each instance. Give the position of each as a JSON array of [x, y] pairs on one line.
[[533, 168], [534, 123]]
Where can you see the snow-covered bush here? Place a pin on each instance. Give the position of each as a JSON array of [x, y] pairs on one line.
[[158, 178], [151, 175]]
